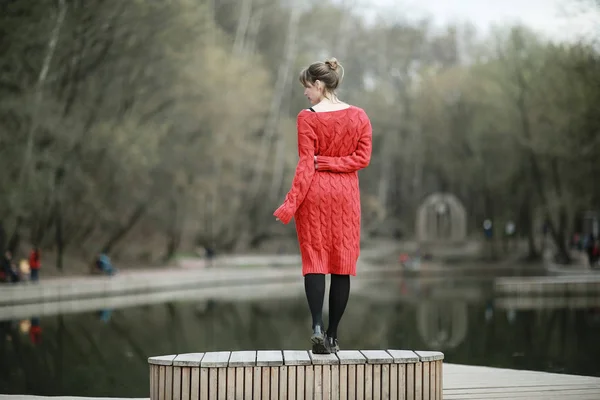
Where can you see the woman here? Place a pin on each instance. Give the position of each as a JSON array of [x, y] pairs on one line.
[[334, 142]]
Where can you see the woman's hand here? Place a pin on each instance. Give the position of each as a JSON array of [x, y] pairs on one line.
[[316, 165]]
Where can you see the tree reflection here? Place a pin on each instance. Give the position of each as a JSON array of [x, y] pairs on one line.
[[83, 356]]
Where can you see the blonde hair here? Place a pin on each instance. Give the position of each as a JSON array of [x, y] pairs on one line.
[[330, 72]]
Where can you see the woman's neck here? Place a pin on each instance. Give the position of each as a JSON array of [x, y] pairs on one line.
[[330, 100]]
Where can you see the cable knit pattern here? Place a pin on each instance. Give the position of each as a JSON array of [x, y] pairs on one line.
[[326, 202]]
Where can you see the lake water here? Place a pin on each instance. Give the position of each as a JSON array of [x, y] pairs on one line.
[[104, 352]]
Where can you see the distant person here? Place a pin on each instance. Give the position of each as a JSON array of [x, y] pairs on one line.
[[35, 263], [595, 253], [24, 269], [589, 248], [209, 253], [334, 143], [10, 274], [104, 264]]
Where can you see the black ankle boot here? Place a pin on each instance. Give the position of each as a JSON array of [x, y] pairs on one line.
[[332, 344], [318, 340]]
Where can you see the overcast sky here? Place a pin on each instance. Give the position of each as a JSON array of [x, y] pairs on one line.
[[558, 19]]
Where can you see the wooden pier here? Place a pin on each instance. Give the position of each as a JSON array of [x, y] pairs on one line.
[[466, 382], [460, 382], [575, 285], [288, 374]]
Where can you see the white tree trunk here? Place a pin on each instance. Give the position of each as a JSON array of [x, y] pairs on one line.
[[242, 28], [39, 93], [274, 111], [253, 30]]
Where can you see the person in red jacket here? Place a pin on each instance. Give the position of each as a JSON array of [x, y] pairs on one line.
[[35, 263], [334, 143]]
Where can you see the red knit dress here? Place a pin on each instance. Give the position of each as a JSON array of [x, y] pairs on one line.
[[326, 202]]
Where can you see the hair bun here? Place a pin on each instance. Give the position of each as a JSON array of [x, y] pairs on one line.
[[332, 63]]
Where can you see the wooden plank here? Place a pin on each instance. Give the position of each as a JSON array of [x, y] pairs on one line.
[[318, 382], [404, 356], [425, 381], [239, 383], [195, 384], [326, 382], [393, 392], [257, 383], [344, 381], [385, 380], [213, 382], [176, 383], [440, 376], [591, 394], [162, 360], [301, 383], [309, 382], [283, 381], [242, 359], [323, 359], [161, 382], [430, 355], [402, 381], [335, 381], [351, 357], [186, 382], [266, 382], [296, 357], [154, 382], [269, 358], [377, 356], [274, 379], [204, 386], [418, 381], [410, 381], [377, 382], [360, 381], [157, 381], [222, 383], [524, 390], [433, 380], [352, 382], [248, 382], [291, 384], [368, 380], [188, 360], [215, 359], [231, 383], [169, 383]]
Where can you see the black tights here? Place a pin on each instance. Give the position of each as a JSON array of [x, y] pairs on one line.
[[339, 292]]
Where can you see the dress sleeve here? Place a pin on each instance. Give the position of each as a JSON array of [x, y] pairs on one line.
[[358, 160], [305, 170]]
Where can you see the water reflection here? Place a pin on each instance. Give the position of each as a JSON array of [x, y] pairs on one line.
[[103, 352]]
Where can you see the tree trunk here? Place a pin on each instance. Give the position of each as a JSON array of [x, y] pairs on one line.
[[253, 29], [52, 43], [59, 239], [174, 231], [125, 228], [526, 221], [2, 239], [15, 238], [242, 28], [271, 127]]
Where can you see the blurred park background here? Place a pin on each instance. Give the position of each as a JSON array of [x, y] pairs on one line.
[[148, 129], [162, 133]]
